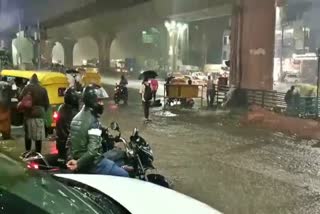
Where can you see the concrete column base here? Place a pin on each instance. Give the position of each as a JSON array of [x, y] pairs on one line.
[[68, 46], [104, 42], [46, 51], [253, 36]]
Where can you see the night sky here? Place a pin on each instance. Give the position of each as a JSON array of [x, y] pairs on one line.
[[30, 11]]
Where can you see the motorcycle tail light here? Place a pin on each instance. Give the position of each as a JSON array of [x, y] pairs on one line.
[[33, 165], [55, 116]]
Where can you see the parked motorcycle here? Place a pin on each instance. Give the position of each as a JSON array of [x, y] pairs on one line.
[[135, 156], [120, 93], [183, 102]]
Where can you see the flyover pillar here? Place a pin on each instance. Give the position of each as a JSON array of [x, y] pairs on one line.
[[68, 45], [104, 42], [5, 43], [252, 41], [46, 50]]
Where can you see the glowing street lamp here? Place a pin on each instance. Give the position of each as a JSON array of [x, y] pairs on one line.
[[175, 29]]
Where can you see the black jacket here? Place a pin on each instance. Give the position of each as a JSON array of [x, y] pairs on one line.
[[40, 99], [66, 114]]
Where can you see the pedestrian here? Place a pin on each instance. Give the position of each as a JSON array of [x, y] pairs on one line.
[[5, 111], [154, 88], [146, 96], [289, 100], [297, 102], [34, 103], [210, 91]]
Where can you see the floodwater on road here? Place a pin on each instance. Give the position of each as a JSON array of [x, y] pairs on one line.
[[209, 156]]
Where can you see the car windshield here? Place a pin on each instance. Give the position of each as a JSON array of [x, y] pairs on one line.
[[21, 189], [226, 91]]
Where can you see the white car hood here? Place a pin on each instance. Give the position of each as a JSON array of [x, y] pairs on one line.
[[141, 197]]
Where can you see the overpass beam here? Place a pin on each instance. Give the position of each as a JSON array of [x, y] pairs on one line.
[[104, 42], [252, 41]]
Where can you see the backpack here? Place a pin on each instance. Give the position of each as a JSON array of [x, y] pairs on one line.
[[147, 93], [25, 103]]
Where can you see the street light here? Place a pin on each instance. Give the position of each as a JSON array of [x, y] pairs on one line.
[[175, 29], [167, 25]]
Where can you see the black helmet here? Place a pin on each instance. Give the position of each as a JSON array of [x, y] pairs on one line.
[[92, 94], [71, 97]]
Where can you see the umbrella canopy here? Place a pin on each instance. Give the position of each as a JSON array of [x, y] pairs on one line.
[[72, 71], [148, 74]]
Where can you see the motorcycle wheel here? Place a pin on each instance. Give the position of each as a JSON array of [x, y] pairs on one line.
[[159, 180], [125, 100], [116, 100]]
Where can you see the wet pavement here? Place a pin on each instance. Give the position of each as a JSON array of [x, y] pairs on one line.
[[209, 156]]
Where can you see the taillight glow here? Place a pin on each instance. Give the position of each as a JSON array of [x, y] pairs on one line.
[[55, 116], [33, 166], [53, 149]]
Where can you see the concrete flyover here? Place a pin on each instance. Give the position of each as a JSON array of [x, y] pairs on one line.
[[104, 26], [252, 31], [140, 14]]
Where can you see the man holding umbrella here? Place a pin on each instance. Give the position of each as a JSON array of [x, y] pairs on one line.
[[146, 96], [146, 93], [150, 74]]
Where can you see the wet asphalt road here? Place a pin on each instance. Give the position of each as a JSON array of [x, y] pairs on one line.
[[210, 157]]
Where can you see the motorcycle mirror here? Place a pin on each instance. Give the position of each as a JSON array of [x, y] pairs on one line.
[[135, 132], [115, 126]]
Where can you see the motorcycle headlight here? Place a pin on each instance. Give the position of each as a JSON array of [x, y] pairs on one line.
[[130, 152]]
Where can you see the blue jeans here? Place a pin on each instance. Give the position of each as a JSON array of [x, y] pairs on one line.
[[108, 167]]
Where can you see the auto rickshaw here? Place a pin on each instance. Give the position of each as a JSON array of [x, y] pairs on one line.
[[55, 83], [90, 75]]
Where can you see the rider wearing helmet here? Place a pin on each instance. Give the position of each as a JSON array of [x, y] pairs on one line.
[[85, 137], [66, 112], [123, 84]]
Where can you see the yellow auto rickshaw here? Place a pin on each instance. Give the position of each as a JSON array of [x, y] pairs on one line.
[[55, 83], [90, 75]]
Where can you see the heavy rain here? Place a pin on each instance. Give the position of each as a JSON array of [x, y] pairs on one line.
[[233, 123]]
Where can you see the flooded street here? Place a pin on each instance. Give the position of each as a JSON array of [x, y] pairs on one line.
[[209, 156]]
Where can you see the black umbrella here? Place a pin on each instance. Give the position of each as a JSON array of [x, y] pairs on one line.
[[148, 74], [72, 71]]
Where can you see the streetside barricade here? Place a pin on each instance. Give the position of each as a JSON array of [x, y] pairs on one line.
[[303, 107]]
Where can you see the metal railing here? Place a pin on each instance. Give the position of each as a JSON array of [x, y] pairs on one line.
[[304, 107]]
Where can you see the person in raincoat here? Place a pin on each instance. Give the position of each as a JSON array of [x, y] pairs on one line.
[[34, 124], [154, 87]]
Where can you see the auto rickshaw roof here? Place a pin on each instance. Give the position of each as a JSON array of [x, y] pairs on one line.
[[45, 77]]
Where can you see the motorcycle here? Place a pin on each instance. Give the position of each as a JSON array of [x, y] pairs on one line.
[[121, 93], [136, 157]]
